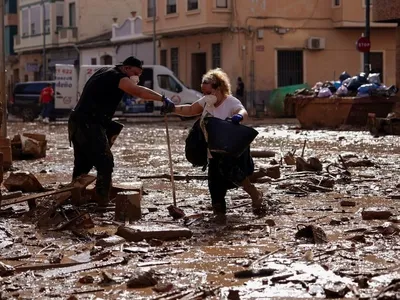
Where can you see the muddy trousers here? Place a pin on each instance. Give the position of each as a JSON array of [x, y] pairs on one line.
[[225, 173], [218, 185], [91, 149]]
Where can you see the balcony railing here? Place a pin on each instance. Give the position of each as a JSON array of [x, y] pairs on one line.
[[67, 35]]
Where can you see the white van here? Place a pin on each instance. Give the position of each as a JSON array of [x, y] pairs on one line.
[[155, 77]]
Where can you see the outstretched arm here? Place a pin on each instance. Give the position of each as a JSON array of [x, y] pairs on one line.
[[194, 109], [128, 86]]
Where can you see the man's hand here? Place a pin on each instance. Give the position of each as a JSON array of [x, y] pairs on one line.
[[236, 119], [168, 106]]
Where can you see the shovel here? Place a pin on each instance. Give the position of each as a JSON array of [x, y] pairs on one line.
[[173, 210]]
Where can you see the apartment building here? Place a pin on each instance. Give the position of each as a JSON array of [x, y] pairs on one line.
[[58, 26], [269, 44]]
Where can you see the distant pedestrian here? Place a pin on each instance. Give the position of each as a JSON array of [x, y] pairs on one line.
[[240, 89], [45, 100]]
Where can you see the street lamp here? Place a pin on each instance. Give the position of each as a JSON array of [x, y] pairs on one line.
[[3, 100]]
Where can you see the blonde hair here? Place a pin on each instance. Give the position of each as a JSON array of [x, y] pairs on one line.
[[218, 79]]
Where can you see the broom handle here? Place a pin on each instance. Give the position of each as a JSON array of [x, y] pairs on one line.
[[170, 161]]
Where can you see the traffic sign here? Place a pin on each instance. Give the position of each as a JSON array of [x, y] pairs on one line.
[[363, 44]]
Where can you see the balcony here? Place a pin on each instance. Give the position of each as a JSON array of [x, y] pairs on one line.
[[67, 35], [205, 19], [386, 11], [34, 42]]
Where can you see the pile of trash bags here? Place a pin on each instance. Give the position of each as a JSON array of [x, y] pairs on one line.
[[356, 86]]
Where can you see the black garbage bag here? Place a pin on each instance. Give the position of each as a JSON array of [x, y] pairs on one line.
[[362, 78], [344, 76], [354, 84], [196, 146], [228, 138]]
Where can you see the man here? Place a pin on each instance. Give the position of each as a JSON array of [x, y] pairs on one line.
[[92, 116], [240, 89], [45, 99]]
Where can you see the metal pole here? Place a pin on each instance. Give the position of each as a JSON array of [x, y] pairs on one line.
[[367, 35], [154, 32], [44, 42], [3, 101]]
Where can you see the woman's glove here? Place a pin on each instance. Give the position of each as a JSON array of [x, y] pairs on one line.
[[236, 119], [168, 106]]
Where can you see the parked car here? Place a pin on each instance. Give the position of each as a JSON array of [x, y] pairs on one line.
[[24, 101]]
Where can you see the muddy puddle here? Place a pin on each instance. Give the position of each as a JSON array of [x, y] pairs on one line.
[[349, 247]]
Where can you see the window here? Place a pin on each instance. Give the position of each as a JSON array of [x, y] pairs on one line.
[[336, 2], [290, 67], [25, 22], [175, 61], [222, 3], [151, 8], [106, 60], [168, 83], [216, 55], [72, 15], [192, 4], [59, 15], [163, 58], [36, 19], [59, 22], [47, 18], [171, 6], [93, 61], [47, 26]]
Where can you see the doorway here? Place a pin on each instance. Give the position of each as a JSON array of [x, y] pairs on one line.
[[376, 61], [290, 67], [199, 68]]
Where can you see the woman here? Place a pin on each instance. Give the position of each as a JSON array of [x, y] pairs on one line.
[[223, 172]]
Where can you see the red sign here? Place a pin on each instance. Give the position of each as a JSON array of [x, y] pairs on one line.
[[260, 48], [363, 44]]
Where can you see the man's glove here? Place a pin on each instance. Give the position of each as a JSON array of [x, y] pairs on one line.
[[236, 119], [168, 106]]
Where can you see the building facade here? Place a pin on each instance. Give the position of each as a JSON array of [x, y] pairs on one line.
[[269, 44], [10, 30], [58, 27]]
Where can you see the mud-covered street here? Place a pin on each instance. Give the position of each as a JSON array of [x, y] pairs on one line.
[[329, 234]]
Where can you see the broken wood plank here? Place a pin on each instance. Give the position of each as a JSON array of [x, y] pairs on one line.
[[138, 233], [34, 196], [45, 267], [153, 263], [82, 267], [176, 177], [11, 195], [262, 153]]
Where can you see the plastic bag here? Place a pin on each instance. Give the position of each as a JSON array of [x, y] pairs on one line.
[[324, 93], [354, 83], [374, 78], [366, 88], [344, 76], [342, 91]]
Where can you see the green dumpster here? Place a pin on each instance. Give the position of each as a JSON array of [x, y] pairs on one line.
[[276, 105]]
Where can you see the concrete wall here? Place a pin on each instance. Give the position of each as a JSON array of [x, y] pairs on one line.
[[143, 51], [86, 55]]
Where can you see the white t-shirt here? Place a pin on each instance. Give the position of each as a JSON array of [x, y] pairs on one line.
[[227, 109]]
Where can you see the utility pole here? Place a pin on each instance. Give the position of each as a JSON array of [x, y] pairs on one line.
[[3, 100], [154, 32], [367, 35], [44, 64]]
